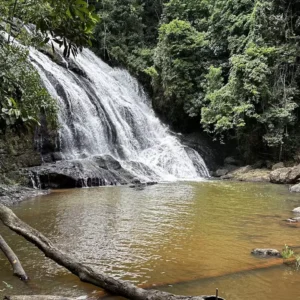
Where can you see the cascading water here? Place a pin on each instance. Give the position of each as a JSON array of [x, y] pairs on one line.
[[106, 112]]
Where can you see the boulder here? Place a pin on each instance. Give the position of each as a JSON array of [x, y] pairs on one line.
[[296, 210], [285, 175], [293, 220], [279, 165], [295, 188], [97, 171], [221, 172], [247, 173], [56, 156], [266, 252], [136, 181]]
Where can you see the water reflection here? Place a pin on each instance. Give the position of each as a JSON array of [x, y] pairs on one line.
[[162, 234]]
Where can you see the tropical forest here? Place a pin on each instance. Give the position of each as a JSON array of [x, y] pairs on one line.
[[149, 149]]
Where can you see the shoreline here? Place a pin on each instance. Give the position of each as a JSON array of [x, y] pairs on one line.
[[13, 194]]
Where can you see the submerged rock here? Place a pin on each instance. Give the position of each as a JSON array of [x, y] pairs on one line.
[[266, 252]]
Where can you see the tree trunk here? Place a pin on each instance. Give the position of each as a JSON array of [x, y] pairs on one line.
[[85, 273], [13, 259]]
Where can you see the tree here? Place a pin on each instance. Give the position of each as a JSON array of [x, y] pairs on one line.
[[180, 66], [22, 96]]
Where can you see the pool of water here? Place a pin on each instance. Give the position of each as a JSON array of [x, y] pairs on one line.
[[185, 238]]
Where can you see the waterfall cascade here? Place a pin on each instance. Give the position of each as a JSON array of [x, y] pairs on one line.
[[105, 114]]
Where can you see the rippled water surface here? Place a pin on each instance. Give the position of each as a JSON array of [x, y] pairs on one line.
[[186, 238]]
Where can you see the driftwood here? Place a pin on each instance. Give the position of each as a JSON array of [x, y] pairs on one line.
[[13, 259], [86, 273]]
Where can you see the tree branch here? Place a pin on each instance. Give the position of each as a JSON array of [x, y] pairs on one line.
[[13, 259], [85, 273]]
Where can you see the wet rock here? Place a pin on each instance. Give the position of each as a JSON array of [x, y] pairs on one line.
[[137, 184], [293, 220], [13, 194], [74, 67], [295, 188], [213, 153], [221, 172], [151, 183], [266, 252], [136, 181], [247, 173], [107, 162], [96, 171], [279, 165], [56, 156], [285, 175], [296, 210], [235, 173]]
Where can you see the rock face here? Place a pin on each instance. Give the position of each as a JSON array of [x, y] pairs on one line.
[[17, 152], [213, 153], [266, 252], [98, 171], [285, 175], [13, 194]]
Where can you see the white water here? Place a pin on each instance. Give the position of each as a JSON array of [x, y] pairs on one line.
[[109, 113]]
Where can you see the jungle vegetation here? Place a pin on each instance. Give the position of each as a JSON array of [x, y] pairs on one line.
[[34, 23], [228, 67]]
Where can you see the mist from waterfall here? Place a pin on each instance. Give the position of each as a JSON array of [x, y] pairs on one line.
[[106, 112]]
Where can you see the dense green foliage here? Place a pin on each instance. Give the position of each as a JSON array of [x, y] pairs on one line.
[[66, 23], [22, 96], [232, 65]]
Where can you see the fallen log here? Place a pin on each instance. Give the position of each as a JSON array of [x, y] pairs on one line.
[[86, 273], [13, 259]]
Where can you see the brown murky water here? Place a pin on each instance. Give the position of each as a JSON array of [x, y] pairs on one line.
[[191, 233]]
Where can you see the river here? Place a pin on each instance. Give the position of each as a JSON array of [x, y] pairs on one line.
[[186, 238]]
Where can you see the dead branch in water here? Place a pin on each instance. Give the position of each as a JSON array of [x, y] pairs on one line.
[[13, 259], [85, 273]]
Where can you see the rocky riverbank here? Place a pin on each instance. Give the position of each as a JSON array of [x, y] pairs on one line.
[[278, 173], [13, 194]]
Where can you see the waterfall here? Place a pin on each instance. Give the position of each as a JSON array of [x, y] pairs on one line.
[[105, 112]]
